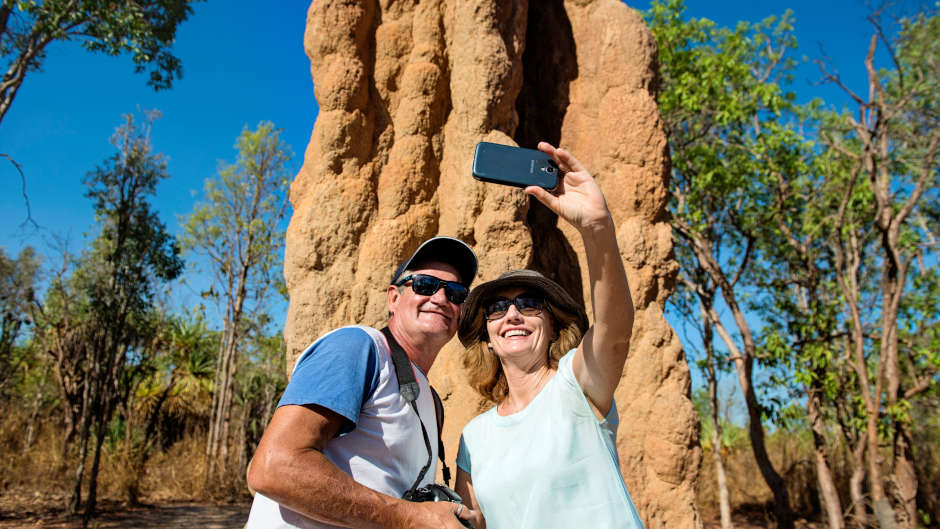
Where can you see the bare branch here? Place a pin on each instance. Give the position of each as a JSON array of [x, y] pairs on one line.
[[19, 168]]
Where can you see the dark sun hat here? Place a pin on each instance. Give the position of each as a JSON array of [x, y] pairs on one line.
[[471, 318]]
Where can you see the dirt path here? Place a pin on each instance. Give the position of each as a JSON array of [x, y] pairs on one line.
[[112, 516], [25, 512]]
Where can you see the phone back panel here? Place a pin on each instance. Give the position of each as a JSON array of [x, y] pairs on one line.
[[514, 166]]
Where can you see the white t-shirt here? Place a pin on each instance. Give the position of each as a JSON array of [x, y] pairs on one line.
[[551, 465], [350, 371]]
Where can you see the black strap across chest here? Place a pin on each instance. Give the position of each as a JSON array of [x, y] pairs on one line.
[[409, 389]]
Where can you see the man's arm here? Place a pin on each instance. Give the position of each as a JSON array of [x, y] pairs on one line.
[[289, 467]]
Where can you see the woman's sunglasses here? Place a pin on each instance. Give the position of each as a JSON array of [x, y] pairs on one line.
[[426, 285], [527, 305]]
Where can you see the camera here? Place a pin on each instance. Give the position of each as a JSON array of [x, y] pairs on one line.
[[436, 492]]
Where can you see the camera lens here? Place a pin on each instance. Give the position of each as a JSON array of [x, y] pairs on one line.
[[550, 169]]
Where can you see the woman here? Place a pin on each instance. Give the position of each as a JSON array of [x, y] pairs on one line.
[[545, 455]]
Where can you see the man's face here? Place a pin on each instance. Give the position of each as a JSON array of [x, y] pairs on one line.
[[432, 316]]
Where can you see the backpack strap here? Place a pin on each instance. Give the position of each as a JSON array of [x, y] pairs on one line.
[[409, 389]]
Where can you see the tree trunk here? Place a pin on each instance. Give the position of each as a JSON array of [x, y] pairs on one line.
[[905, 476], [848, 261], [856, 481], [213, 434], [225, 376], [219, 426], [84, 433], [724, 498], [778, 486], [743, 364], [881, 506], [827, 487], [92, 501]]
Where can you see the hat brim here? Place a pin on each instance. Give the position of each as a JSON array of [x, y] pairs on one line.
[[469, 330]]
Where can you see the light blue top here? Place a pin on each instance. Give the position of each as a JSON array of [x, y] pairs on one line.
[[551, 465]]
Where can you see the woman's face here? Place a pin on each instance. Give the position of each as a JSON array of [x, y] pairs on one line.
[[518, 335]]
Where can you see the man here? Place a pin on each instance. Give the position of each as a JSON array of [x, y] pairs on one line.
[[343, 444]]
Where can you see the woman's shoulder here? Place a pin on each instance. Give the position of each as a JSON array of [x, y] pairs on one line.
[[479, 422]]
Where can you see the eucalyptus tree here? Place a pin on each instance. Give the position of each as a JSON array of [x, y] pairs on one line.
[[724, 109], [699, 292], [145, 30], [18, 280], [890, 145], [803, 331], [96, 320], [237, 230]]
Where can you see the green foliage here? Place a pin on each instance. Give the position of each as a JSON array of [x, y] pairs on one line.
[[731, 125], [721, 100], [99, 323], [134, 246], [18, 278], [237, 226], [145, 30], [733, 435]]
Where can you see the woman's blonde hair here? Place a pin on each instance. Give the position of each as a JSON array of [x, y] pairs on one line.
[[485, 373]]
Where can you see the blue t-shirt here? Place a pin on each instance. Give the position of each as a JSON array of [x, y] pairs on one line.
[[350, 357], [350, 371], [550, 465]]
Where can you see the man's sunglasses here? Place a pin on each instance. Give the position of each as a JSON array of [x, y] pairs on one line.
[[426, 285], [527, 305]]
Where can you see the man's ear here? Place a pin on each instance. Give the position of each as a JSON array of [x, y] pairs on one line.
[[392, 296]]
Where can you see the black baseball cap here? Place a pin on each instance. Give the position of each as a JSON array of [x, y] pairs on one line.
[[446, 250]]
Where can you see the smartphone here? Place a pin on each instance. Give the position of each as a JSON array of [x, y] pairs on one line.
[[514, 166]]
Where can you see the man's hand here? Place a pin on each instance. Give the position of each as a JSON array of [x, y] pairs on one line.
[[290, 468], [437, 514]]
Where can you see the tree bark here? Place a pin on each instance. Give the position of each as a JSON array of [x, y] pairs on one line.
[[744, 364], [827, 487], [724, 498], [860, 513], [905, 475]]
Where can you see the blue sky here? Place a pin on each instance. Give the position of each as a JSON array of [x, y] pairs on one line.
[[243, 65]]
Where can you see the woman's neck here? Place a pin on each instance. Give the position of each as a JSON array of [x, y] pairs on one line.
[[524, 384]]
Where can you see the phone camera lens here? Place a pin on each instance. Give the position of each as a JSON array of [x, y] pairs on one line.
[[550, 169]]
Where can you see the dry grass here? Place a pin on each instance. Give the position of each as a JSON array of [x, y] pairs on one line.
[[750, 495], [41, 471], [36, 481]]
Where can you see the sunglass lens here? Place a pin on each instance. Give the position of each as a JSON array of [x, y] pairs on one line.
[[496, 308], [455, 292], [529, 306], [425, 285], [428, 285]]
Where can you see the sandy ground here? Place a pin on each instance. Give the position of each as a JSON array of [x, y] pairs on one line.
[[29, 513]]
